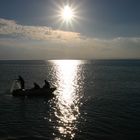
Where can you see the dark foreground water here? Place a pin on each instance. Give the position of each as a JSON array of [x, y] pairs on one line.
[[95, 100]]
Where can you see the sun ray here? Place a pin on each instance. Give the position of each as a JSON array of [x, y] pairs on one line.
[[67, 14]]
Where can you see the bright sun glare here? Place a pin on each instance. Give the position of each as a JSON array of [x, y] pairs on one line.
[[67, 14]]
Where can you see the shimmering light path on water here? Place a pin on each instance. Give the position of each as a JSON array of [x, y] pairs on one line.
[[68, 99]]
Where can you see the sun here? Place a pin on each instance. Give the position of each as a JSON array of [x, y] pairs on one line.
[[67, 13]]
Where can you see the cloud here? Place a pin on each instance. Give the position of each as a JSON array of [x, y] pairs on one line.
[[10, 27], [86, 49], [42, 42]]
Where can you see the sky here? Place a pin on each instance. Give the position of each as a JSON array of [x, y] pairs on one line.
[[100, 29]]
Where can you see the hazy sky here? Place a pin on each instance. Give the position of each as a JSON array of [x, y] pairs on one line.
[[33, 29]]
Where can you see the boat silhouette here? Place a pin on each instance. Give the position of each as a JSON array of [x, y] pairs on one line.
[[41, 92]]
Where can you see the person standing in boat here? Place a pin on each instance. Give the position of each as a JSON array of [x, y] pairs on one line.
[[36, 86], [21, 82], [46, 85]]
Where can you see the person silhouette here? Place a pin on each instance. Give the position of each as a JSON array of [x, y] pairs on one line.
[[46, 85], [36, 86], [21, 82]]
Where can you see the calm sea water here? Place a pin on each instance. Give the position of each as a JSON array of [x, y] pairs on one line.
[[95, 100]]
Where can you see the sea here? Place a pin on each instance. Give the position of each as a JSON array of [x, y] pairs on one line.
[[94, 100]]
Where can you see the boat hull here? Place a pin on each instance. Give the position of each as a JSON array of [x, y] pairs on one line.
[[34, 93]]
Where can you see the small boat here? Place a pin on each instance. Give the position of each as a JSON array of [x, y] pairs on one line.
[[34, 92], [41, 92]]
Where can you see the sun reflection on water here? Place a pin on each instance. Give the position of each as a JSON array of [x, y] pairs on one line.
[[67, 102]]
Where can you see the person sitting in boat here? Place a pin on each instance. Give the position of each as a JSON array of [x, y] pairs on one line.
[[21, 82], [46, 85], [36, 86]]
